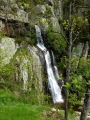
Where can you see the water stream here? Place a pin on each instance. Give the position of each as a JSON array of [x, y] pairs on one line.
[[55, 67], [53, 85]]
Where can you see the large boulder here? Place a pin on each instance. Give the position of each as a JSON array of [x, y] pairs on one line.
[[7, 49]]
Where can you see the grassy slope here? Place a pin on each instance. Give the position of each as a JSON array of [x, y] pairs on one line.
[[20, 108], [22, 112]]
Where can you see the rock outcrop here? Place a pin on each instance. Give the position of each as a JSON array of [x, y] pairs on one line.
[[9, 11]]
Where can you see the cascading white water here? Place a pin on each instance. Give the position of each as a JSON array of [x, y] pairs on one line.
[[55, 67], [53, 85], [40, 42]]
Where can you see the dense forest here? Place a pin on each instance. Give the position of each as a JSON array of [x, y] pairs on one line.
[[63, 28]]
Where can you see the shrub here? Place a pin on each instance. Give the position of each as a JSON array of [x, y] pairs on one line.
[[56, 41], [7, 71]]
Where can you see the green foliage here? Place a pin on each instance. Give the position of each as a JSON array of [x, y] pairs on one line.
[[32, 97], [2, 35], [75, 2], [7, 71], [7, 97], [88, 118], [56, 41], [79, 80], [31, 41], [26, 4], [76, 88], [66, 24], [48, 11], [79, 22], [68, 85], [33, 36], [63, 63], [84, 67], [26, 40], [29, 35], [19, 40], [73, 100], [77, 83], [21, 52], [29, 97], [26, 33]]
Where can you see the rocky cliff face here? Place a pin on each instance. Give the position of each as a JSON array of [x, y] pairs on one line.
[[21, 62], [15, 16], [21, 65], [46, 14]]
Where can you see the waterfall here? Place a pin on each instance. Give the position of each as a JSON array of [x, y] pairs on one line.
[[55, 67], [40, 42], [53, 85]]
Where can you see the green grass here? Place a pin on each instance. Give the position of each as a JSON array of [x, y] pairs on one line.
[[20, 108], [23, 112], [20, 111]]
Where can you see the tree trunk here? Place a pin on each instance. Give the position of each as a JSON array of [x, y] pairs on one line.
[[66, 103], [68, 65], [86, 104]]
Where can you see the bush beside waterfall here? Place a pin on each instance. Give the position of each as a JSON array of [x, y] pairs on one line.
[[55, 41]]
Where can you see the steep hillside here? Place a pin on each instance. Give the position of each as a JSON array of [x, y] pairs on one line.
[[22, 64]]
